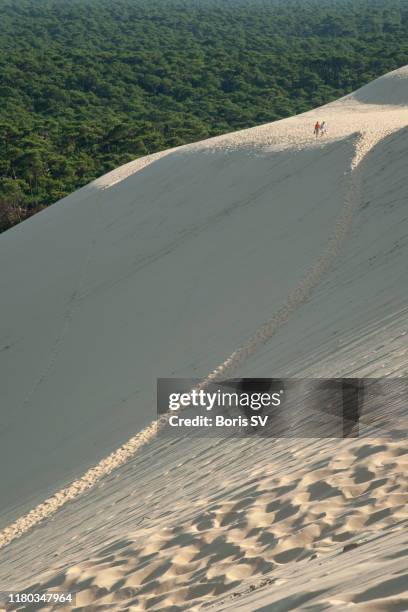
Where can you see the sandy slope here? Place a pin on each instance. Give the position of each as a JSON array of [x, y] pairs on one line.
[[260, 233]]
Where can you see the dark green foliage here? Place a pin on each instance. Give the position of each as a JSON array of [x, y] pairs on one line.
[[86, 85]]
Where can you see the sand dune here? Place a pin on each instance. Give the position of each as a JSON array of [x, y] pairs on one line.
[[264, 252]]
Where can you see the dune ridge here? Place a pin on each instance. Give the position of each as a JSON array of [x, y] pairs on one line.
[[365, 141]]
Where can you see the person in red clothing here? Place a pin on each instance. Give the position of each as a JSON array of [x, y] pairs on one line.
[[317, 129]]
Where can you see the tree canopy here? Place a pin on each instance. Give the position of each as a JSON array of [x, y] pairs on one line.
[[87, 85]]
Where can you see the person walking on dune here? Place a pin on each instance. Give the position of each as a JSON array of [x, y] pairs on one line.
[[317, 129], [323, 128]]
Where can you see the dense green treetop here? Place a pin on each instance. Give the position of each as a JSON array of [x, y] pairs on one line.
[[86, 85]]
